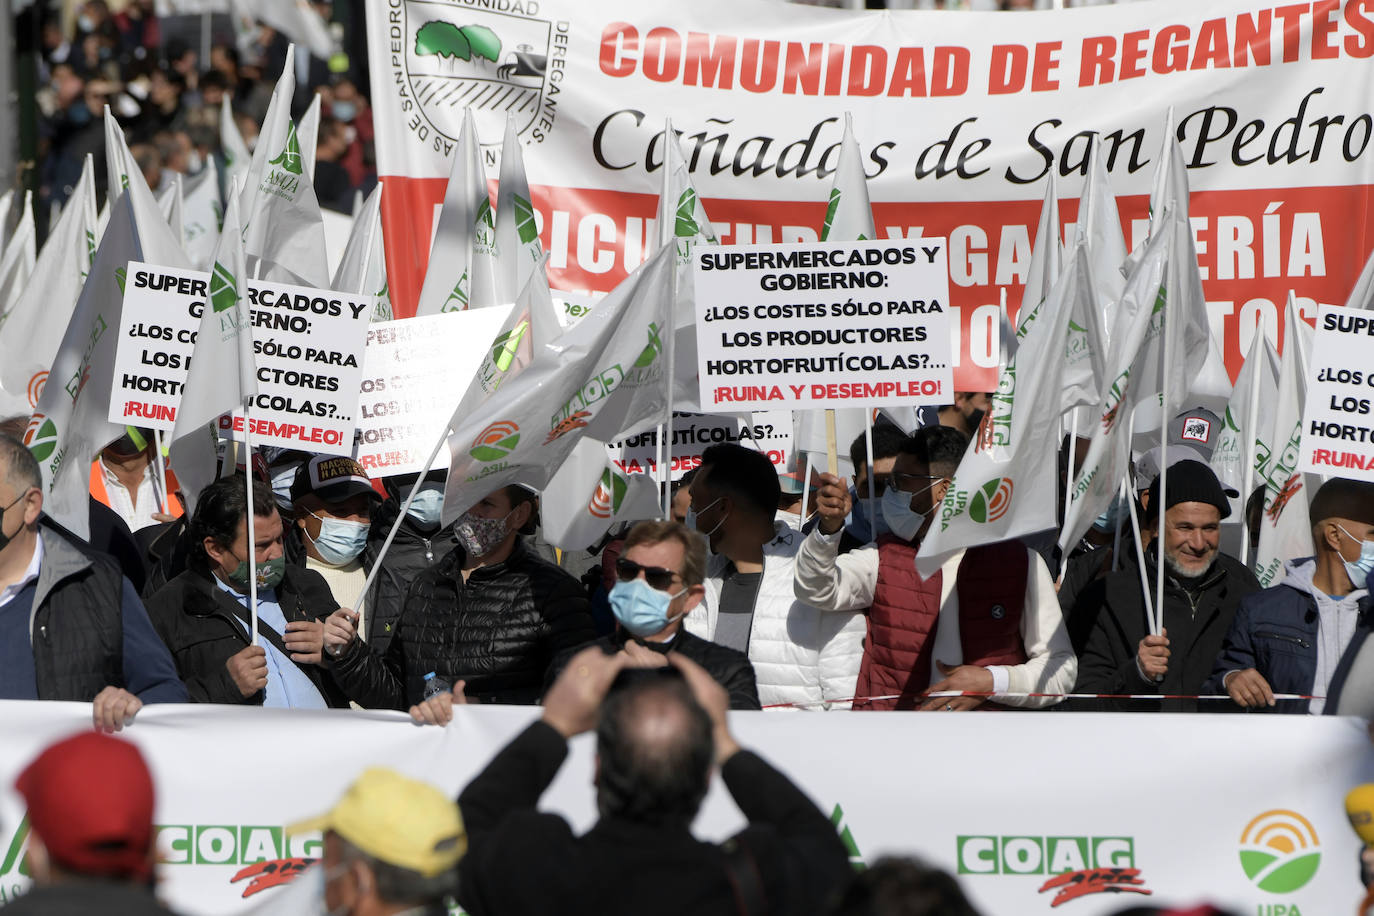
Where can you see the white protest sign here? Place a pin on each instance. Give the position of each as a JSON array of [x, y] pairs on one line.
[[769, 431], [157, 334], [308, 345], [823, 325], [414, 373], [1338, 419]]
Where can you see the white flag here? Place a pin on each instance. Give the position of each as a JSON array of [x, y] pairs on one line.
[[296, 19], [682, 221], [1285, 532], [517, 235], [1141, 309], [20, 255], [603, 373], [1007, 482], [173, 206], [363, 268], [1362, 294], [237, 159], [202, 212], [31, 331], [1085, 344], [120, 167], [308, 136], [1047, 254], [6, 203], [1256, 393], [462, 260], [1099, 227], [223, 371], [589, 495], [283, 227], [70, 425]]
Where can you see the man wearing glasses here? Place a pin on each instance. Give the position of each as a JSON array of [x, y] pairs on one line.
[[658, 582], [987, 622]]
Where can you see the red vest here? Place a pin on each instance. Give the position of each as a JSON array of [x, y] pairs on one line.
[[991, 588]]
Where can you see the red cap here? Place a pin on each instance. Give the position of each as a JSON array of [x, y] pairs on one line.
[[90, 801]]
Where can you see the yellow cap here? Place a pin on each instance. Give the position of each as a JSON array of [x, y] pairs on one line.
[[398, 820]]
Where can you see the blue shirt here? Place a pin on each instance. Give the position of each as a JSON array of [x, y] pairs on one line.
[[287, 685], [18, 679]]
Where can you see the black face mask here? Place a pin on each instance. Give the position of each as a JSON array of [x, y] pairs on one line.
[[5, 538], [976, 418]]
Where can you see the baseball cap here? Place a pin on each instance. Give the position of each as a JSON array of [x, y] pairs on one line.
[[401, 821], [90, 800], [1198, 429], [1191, 482], [333, 478]]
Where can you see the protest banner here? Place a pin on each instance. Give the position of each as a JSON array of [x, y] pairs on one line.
[[571, 306], [1270, 103], [308, 345], [1338, 417], [414, 372], [768, 431], [1265, 839], [823, 325]]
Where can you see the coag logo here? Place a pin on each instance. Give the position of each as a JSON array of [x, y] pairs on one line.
[[1281, 499], [992, 500], [487, 61], [41, 436], [1041, 855], [1279, 851], [496, 441]]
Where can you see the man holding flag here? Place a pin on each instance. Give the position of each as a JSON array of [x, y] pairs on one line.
[[1002, 634]]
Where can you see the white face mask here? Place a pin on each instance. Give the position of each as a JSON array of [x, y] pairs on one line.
[[902, 520]]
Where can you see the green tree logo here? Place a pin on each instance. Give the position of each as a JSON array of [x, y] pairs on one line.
[[451, 42], [525, 225], [15, 860], [290, 156], [650, 353], [506, 346], [1279, 851], [121, 276], [686, 225]]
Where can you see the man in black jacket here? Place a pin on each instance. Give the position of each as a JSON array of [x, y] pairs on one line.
[[660, 575], [71, 625], [488, 619], [657, 739], [202, 614], [1203, 589]]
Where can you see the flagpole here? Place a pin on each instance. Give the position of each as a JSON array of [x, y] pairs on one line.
[[1167, 359], [872, 497], [161, 464], [1068, 472], [806, 487], [668, 235], [1139, 541], [1120, 523], [1247, 473], [252, 537]]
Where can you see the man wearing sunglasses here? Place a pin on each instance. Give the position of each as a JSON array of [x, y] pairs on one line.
[[987, 622], [658, 582]]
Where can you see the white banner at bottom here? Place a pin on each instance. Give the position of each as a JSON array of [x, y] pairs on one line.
[[1073, 813]]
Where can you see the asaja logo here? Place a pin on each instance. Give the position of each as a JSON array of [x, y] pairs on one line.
[[609, 495], [223, 289], [496, 441], [289, 159], [492, 62], [992, 500], [1279, 851], [41, 436]]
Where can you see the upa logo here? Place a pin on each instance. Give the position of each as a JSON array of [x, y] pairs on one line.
[[41, 436], [496, 441], [35, 387], [992, 500], [609, 495], [495, 63], [1279, 851]]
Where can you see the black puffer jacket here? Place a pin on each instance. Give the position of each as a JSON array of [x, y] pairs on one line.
[[499, 631], [411, 553], [201, 625]]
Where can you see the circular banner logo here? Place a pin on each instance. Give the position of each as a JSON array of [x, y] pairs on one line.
[[1279, 851], [496, 441], [992, 500]]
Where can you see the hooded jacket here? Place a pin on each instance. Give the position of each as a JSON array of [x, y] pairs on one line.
[[1277, 632]]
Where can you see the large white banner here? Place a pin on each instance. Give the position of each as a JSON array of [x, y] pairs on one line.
[[1244, 811], [1272, 105], [1337, 429]]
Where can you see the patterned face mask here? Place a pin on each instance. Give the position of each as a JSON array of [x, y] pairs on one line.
[[480, 536]]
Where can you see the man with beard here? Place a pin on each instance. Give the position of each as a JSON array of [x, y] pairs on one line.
[[1202, 589]]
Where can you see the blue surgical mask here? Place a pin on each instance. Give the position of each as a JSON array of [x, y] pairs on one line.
[[902, 520], [344, 111], [641, 608], [340, 540], [1108, 520], [1360, 569], [691, 520], [428, 505], [859, 522]]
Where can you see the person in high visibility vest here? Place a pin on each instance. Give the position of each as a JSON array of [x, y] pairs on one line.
[[126, 478]]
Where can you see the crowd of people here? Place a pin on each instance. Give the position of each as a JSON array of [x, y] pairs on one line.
[[169, 102]]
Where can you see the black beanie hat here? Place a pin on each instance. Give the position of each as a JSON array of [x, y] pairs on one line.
[[1191, 482], [1341, 497]]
